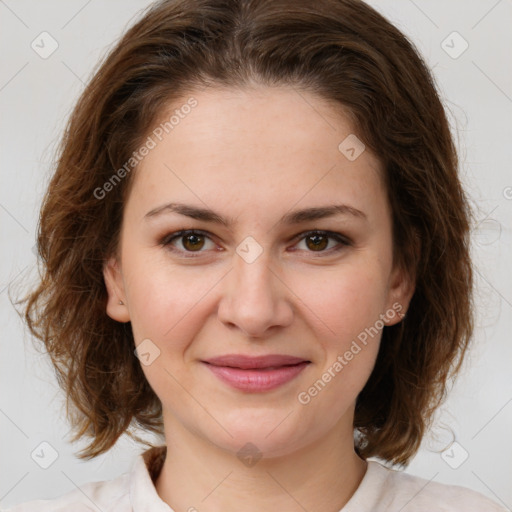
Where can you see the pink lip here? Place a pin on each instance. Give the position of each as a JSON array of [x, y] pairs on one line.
[[256, 374]]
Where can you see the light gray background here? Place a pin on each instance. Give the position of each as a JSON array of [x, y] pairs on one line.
[[36, 96]]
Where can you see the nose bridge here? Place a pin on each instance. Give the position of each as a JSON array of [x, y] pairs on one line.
[[251, 266], [254, 273], [254, 299]]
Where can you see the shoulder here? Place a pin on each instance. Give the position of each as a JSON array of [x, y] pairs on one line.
[[105, 495], [133, 490], [410, 493]]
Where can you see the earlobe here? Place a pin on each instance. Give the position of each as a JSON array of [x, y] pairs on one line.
[[116, 300]]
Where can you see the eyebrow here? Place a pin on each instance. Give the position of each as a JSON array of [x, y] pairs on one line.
[[294, 217]]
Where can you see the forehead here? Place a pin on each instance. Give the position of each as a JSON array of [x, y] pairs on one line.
[[256, 148]]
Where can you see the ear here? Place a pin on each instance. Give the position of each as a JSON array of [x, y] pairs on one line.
[[402, 283], [115, 290], [401, 289]]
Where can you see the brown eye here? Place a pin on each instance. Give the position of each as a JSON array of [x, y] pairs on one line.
[[193, 242], [188, 241], [318, 242]]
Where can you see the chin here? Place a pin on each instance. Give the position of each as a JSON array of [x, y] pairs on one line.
[[262, 436]]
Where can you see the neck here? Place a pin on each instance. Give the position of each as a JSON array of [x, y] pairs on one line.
[[198, 475]]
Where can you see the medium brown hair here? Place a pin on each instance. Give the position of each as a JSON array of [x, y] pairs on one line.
[[345, 52]]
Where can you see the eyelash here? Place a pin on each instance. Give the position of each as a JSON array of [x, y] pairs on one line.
[[343, 241]]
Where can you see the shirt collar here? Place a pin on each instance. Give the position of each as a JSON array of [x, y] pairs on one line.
[[369, 494], [143, 495]]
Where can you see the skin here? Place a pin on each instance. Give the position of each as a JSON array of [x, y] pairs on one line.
[[254, 155]]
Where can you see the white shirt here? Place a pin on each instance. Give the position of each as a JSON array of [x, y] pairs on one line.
[[381, 490]]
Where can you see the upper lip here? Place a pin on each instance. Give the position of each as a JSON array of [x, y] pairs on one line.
[[249, 362]]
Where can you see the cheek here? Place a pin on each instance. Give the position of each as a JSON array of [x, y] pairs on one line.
[[167, 306], [345, 309], [166, 300], [345, 301]]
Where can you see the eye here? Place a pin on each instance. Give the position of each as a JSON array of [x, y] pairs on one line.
[[194, 241], [318, 241], [191, 240]]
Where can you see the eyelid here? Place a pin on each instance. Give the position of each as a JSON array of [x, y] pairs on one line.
[[343, 241]]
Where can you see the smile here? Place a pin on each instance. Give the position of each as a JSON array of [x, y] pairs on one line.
[[257, 379]]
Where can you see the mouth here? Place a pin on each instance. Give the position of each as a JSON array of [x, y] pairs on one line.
[[256, 374]]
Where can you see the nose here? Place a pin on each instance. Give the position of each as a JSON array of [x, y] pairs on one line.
[[255, 297]]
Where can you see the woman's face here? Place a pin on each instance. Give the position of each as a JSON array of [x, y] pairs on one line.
[[256, 283]]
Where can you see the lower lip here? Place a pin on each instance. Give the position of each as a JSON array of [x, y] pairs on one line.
[[256, 380]]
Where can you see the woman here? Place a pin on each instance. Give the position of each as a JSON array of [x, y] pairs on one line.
[[256, 243]]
